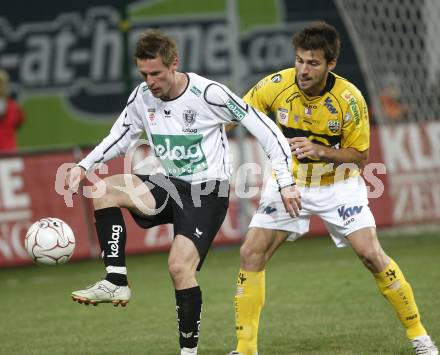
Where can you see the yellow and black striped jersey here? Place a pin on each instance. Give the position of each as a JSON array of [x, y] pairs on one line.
[[338, 118]]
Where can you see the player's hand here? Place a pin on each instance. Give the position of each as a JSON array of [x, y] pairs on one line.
[[73, 178], [302, 147], [291, 199]]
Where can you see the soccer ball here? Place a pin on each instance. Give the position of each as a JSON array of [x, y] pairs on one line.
[[50, 241]]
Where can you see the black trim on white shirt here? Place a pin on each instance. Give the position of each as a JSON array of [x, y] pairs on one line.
[[135, 94], [232, 98]]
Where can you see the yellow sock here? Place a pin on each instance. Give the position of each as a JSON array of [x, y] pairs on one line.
[[393, 285], [249, 300]]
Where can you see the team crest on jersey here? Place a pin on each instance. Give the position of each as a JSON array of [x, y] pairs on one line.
[[276, 78], [334, 126], [283, 116], [189, 117]]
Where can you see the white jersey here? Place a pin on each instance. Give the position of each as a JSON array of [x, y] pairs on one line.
[[187, 133]]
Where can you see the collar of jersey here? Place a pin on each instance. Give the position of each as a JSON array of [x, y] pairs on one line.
[[331, 79], [184, 90]]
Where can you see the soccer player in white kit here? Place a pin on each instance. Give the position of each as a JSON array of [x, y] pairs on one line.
[[183, 115]]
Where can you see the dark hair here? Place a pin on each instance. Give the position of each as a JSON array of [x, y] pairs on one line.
[[319, 35], [153, 43]]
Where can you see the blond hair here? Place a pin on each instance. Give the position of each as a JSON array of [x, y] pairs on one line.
[[152, 44]]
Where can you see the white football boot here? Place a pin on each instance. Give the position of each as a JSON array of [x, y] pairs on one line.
[[103, 292], [423, 345]]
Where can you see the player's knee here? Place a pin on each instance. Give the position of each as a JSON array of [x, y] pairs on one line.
[[373, 258], [247, 251], [252, 258], [178, 270], [106, 197]]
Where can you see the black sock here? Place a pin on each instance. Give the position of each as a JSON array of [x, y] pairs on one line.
[[189, 309], [111, 231], [117, 279]]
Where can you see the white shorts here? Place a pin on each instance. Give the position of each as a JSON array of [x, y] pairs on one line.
[[342, 206]]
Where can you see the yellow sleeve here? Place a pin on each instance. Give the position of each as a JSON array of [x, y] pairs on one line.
[[356, 126], [261, 95]]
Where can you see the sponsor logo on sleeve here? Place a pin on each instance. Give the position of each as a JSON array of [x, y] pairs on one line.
[[352, 103], [235, 110]]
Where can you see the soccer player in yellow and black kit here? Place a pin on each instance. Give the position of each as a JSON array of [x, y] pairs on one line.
[[325, 119]]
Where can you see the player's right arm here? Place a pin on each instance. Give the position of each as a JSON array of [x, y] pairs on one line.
[[126, 130]]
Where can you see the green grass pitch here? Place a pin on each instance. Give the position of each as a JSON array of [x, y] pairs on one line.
[[319, 300]]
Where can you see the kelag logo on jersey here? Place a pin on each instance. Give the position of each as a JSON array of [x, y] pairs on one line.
[[180, 154], [235, 109]]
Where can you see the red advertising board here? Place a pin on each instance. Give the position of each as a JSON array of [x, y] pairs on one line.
[[27, 194], [412, 157], [404, 189]]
